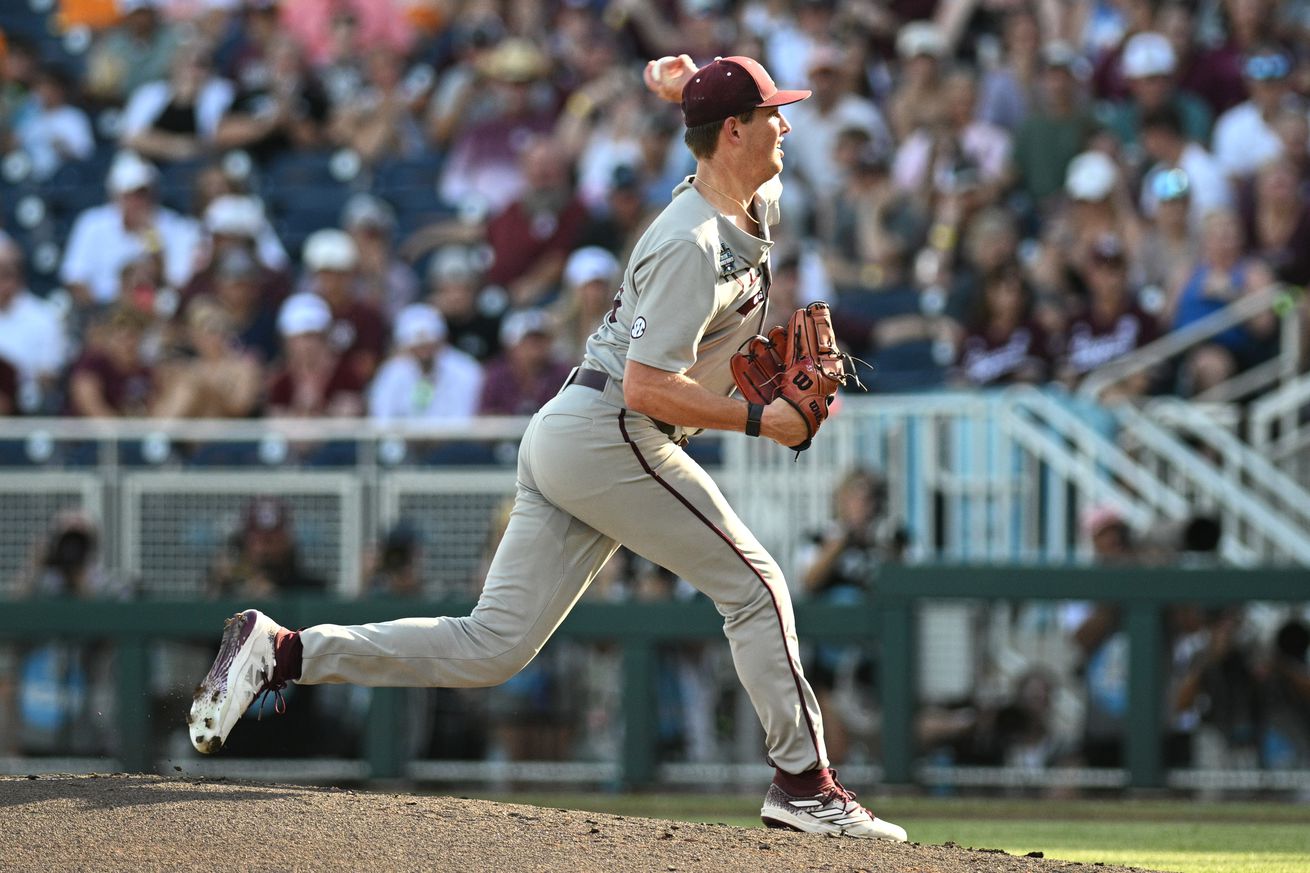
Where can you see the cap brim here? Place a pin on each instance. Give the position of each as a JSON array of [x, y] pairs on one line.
[[782, 98]]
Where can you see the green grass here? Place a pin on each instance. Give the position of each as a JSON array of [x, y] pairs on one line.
[[1179, 836]]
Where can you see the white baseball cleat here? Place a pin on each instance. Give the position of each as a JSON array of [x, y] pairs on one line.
[[242, 671], [832, 812]]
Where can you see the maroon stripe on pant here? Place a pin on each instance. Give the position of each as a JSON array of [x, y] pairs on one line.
[[782, 630]]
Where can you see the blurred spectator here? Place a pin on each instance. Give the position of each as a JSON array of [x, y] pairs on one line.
[[1286, 687], [397, 567], [358, 333], [217, 378], [111, 379], [177, 119], [1003, 344], [458, 98], [329, 29], [1097, 203], [381, 120], [139, 50], [591, 279], [624, 218], [426, 379], [279, 106], [873, 228], [104, 238], [1276, 221], [1222, 275], [532, 237], [1244, 136], [314, 380], [1010, 90], [1111, 325], [32, 339], [527, 373], [248, 295], [63, 694], [1150, 68], [471, 310], [817, 122], [1169, 249], [383, 279], [991, 241], [263, 557], [840, 565], [1057, 126], [1211, 72], [484, 163], [50, 129], [236, 222], [954, 149], [20, 61], [920, 47], [1166, 144], [1214, 696]]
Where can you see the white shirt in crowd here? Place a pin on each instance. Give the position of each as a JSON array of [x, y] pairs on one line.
[[401, 391], [32, 337], [51, 136], [813, 138], [1207, 182], [148, 101], [99, 246], [1243, 141]]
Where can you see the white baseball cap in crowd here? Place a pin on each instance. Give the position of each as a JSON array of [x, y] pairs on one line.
[[330, 249], [303, 313], [1148, 54], [234, 215], [1091, 176], [519, 324], [364, 210], [920, 38], [590, 264], [130, 172], [418, 324], [454, 264]]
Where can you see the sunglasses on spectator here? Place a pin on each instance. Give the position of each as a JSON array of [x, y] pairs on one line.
[[1170, 185], [1264, 68]]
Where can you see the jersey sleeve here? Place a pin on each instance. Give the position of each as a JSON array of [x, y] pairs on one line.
[[675, 302]]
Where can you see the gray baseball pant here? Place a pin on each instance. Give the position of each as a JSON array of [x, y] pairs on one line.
[[591, 476]]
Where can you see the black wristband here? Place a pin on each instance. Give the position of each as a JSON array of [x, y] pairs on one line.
[[754, 413]]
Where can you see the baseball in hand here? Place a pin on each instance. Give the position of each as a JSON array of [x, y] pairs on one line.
[[666, 76]]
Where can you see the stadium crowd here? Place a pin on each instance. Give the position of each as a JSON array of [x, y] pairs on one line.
[[419, 209], [410, 209]]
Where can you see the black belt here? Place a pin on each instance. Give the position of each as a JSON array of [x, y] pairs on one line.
[[596, 380]]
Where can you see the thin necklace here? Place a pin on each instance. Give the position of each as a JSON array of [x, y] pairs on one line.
[[744, 207]]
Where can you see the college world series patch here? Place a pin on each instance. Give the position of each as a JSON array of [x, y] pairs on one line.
[[638, 326]]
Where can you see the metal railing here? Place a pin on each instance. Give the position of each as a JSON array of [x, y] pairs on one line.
[[639, 629], [1280, 370]]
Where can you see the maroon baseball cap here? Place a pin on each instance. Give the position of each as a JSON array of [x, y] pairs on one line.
[[730, 86]]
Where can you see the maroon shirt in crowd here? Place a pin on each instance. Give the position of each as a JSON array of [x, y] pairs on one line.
[[126, 391], [1024, 355], [519, 239], [341, 385], [1093, 342], [503, 394], [359, 335]]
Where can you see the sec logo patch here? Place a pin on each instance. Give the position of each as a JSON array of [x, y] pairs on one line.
[[639, 327]]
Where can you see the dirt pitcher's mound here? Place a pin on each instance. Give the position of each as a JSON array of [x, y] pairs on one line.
[[149, 823]]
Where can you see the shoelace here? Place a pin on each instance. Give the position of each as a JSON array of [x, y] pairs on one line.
[[279, 702], [838, 791]]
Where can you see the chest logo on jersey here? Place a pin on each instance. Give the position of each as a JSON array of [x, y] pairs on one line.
[[727, 260], [639, 327]]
